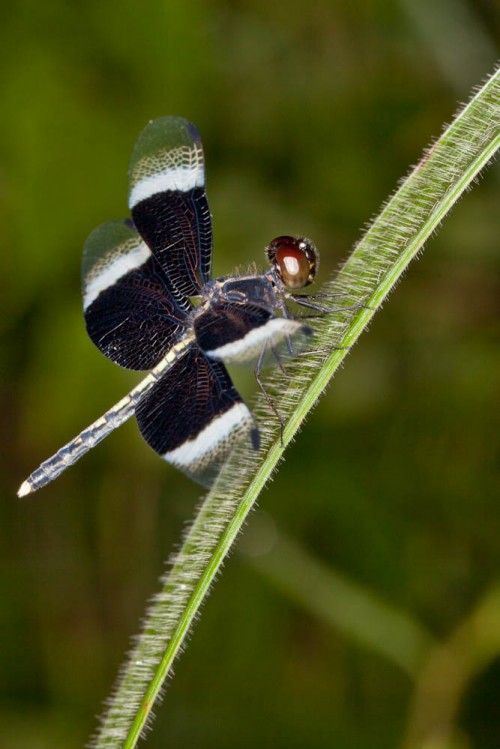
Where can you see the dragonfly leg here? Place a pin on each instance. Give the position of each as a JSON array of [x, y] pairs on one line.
[[258, 370]]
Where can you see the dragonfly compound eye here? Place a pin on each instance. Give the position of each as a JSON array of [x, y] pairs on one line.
[[295, 259]]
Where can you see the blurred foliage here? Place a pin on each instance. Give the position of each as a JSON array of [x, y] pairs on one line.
[[310, 113]]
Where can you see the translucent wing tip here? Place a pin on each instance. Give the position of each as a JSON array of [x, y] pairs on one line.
[[168, 155], [108, 241], [163, 133], [170, 130]]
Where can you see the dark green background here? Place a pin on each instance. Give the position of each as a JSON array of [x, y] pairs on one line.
[[310, 113]]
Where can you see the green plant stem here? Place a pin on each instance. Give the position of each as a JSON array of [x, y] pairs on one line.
[[394, 238], [447, 671], [345, 605]]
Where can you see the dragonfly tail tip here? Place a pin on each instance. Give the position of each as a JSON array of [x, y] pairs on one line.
[[25, 489]]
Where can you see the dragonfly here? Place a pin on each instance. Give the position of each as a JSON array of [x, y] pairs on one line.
[[150, 303]]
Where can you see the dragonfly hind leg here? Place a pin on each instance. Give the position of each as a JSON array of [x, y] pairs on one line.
[[303, 300], [272, 406]]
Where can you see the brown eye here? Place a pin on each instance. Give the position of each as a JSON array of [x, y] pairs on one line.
[[294, 259]]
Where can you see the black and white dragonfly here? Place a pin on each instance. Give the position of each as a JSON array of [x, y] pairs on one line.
[[150, 303]]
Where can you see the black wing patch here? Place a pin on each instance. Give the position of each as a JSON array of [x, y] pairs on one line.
[[245, 334], [168, 201], [132, 312], [223, 324], [193, 416]]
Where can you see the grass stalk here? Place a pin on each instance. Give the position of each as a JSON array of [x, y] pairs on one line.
[[447, 169]]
